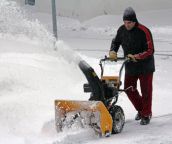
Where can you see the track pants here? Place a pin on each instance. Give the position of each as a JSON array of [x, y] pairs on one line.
[[143, 102]]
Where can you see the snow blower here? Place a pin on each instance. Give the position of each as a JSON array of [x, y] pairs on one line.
[[100, 112]]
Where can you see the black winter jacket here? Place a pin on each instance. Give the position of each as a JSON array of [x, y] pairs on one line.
[[138, 42]]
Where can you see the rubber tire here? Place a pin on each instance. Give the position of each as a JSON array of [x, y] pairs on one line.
[[118, 118]]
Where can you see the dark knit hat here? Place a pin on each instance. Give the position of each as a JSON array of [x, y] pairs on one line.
[[130, 15]]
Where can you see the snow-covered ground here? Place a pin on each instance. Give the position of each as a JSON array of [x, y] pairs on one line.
[[33, 75]]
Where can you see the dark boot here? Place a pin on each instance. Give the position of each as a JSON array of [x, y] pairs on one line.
[[138, 116], [145, 120]]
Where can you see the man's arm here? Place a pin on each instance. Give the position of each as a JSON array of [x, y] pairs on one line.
[[149, 43], [116, 42]]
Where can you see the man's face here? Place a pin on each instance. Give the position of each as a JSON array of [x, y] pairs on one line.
[[129, 24]]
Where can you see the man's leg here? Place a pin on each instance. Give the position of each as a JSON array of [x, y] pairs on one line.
[[132, 93], [146, 89]]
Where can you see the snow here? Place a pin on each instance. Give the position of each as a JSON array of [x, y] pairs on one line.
[[33, 75]]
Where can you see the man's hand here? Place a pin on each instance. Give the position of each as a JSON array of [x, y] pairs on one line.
[[113, 55], [131, 57]]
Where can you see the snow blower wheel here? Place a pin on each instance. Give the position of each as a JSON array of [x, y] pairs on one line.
[[118, 119]]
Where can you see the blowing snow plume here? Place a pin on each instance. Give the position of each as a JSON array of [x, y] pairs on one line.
[[14, 25], [14, 22], [30, 77]]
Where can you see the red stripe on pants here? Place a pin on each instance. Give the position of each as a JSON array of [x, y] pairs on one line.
[[142, 103]]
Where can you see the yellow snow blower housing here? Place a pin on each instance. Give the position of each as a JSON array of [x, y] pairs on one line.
[[89, 108], [100, 112]]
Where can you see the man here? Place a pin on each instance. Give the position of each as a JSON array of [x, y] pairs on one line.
[[137, 43]]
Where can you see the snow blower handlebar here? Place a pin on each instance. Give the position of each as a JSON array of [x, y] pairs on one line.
[[109, 59], [126, 60]]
